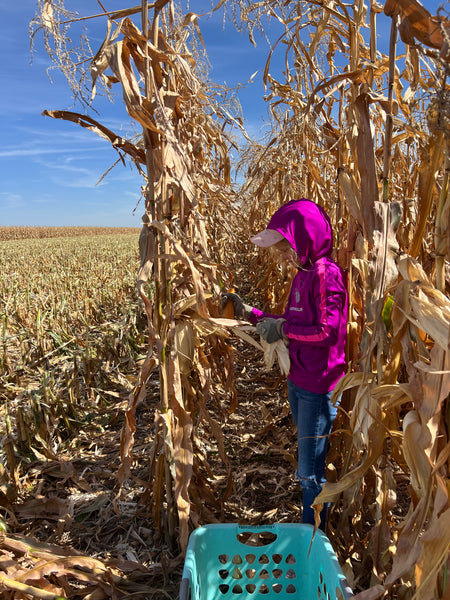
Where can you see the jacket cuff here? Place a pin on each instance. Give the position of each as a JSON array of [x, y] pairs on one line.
[[255, 315]]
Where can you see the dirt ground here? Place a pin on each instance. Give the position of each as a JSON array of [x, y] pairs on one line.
[[70, 502]]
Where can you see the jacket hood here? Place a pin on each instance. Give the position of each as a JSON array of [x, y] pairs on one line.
[[306, 226]]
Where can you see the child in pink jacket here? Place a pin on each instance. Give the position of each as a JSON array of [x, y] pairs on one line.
[[314, 325]]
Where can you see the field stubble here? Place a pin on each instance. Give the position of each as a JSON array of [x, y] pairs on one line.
[[72, 334], [20, 232], [70, 326]]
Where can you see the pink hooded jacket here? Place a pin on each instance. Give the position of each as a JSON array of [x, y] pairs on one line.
[[316, 313]]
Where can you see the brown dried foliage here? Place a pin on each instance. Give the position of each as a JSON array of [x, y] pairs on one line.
[[378, 162]]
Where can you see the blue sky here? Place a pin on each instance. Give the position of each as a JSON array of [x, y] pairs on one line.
[[49, 168]]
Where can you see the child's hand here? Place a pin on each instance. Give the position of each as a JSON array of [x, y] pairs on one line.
[[271, 330], [241, 310]]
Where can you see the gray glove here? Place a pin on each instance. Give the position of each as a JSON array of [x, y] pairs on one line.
[[241, 310], [271, 330]]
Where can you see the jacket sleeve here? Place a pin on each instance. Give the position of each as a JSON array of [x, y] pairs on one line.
[[330, 298], [257, 315]]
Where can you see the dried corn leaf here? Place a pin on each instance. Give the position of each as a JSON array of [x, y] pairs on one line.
[[408, 547], [351, 194], [366, 166], [381, 548], [183, 459], [431, 313], [416, 438], [435, 544], [420, 22], [391, 396], [196, 275], [52, 593], [428, 170], [366, 410], [375, 440], [185, 346], [276, 351], [385, 248], [118, 142]]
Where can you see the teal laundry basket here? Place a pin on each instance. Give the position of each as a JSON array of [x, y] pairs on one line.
[[227, 561]]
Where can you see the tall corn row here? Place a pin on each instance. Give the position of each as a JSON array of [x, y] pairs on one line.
[[350, 133], [183, 157]]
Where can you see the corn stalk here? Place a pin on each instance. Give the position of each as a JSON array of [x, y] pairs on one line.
[[183, 158], [392, 405], [380, 170]]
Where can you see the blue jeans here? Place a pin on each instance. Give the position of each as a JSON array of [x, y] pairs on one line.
[[314, 416]]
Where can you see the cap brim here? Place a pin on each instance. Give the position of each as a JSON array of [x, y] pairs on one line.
[[267, 238]]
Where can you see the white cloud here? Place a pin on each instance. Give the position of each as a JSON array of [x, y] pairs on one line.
[[9, 199], [37, 151]]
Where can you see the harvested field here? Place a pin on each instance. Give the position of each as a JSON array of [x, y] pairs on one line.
[[20, 232], [73, 336]]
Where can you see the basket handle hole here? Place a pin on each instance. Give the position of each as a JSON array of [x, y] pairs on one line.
[[291, 574], [277, 573], [256, 538], [290, 559], [277, 558]]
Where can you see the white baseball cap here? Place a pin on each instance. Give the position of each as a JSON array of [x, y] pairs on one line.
[[266, 238]]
